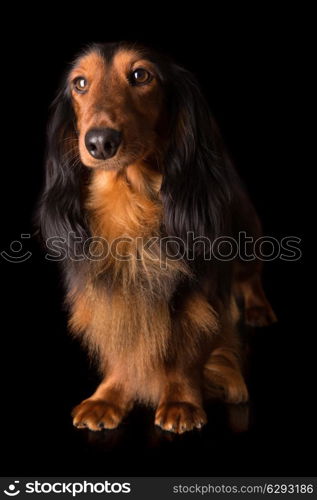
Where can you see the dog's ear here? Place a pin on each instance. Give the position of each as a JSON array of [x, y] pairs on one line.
[[60, 212], [196, 187]]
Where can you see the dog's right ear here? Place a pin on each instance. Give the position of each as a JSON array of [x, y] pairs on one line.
[[60, 213], [197, 184]]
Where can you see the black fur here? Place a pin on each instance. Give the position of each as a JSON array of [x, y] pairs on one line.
[[61, 212], [197, 188]]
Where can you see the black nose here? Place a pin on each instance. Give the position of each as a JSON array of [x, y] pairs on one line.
[[103, 143]]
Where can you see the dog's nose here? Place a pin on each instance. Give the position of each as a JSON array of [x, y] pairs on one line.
[[103, 143]]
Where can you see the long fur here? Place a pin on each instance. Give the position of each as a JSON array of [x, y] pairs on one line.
[[196, 190], [154, 322], [61, 208]]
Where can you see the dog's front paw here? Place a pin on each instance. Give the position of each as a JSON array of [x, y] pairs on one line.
[[96, 414], [180, 417]]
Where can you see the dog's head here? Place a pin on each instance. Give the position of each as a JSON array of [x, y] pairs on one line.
[[118, 99], [121, 104]]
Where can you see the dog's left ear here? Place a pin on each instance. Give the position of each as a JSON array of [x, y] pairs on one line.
[[60, 212], [196, 188]]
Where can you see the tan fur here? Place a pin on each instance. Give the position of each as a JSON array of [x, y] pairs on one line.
[[131, 327], [82, 311]]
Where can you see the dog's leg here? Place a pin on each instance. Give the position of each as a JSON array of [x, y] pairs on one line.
[[257, 309], [195, 324], [223, 376], [248, 286], [105, 409], [180, 408], [247, 282]]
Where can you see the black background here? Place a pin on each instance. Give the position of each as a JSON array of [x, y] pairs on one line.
[[253, 66]]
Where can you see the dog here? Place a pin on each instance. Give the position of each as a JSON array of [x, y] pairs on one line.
[[137, 173]]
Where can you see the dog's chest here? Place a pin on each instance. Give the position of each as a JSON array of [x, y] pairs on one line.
[[123, 207], [125, 214], [125, 303]]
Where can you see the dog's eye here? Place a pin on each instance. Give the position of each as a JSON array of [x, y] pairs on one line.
[[80, 85], [140, 76]]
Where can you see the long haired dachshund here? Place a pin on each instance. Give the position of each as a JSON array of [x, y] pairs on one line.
[[137, 183]]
